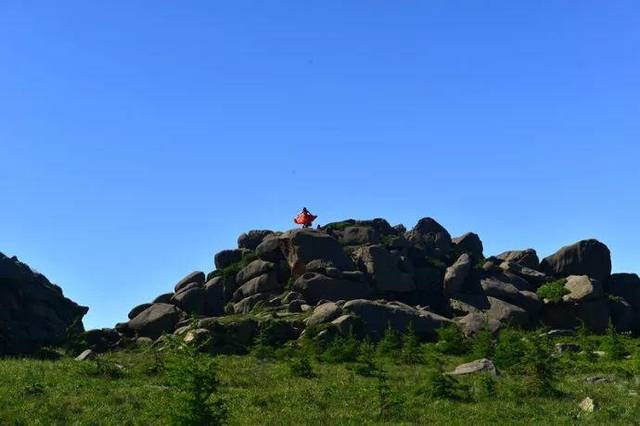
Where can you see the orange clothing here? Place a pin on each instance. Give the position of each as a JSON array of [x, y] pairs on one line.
[[304, 219]]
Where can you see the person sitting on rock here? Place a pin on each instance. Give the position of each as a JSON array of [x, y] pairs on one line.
[[305, 218]]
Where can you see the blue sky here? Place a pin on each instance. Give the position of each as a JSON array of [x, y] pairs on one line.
[[139, 138]]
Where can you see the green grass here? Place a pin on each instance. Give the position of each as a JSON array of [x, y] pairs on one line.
[[133, 388]]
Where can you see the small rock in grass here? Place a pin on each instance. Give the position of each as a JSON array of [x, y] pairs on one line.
[[86, 355], [567, 347], [587, 405], [478, 366]]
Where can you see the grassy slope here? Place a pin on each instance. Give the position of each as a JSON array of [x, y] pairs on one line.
[[265, 392]]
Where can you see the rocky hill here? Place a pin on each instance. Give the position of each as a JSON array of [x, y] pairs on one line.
[[33, 312], [363, 276]]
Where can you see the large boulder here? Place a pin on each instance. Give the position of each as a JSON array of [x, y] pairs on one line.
[[457, 274], [135, 311], [191, 301], [507, 313], [323, 313], [269, 249], [214, 296], [527, 300], [197, 277], [252, 239], [582, 288], [315, 287], [528, 258], [587, 257], [359, 235], [157, 319], [301, 246], [431, 236], [383, 269], [469, 243], [626, 286], [254, 269], [474, 322], [260, 284], [376, 317], [226, 258], [530, 275], [33, 311]]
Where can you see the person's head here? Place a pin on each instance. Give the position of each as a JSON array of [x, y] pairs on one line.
[[304, 209]]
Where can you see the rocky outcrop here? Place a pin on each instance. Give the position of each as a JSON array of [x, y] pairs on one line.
[[363, 276], [33, 311]]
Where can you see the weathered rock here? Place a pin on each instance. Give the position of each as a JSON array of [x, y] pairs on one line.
[[301, 246], [587, 405], [247, 304], [187, 287], [315, 287], [86, 355], [456, 275], [582, 288], [295, 306], [324, 313], [254, 269], [623, 316], [191, 301], [214, 296], [472, 323], [431, 236], [528, 258], [347, 325], [587, 257], [462, 304], [135, 311], [507, 313], [101, 339], [269, 249], [261, 284], [359, 235], [252, 239], [509, 293], [155, 320], [194, 277], [469, 243], [478, 366], [383, 269], [377, 317], [163, 298], [626, 286], [228, 257], [33, 311], [196, 336], [530, 275], [291, 296]]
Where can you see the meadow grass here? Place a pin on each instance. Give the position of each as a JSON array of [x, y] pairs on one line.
[[132, 387]]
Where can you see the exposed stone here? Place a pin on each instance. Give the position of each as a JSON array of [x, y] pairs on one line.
[[86, 355], [478, 366], [383, 269], [261, 284], [191, 301], [155, 320], [226, 258], [301, 246], [315, 287], [359, 235], [587, 257], [474, 322], [163, 298], [252, 239], [469, 243], [508, 313], [582, 288], [567, 347], [456, 275], [347, 325], [324, 313], [254, 269], [431, 236], [194, 277], [528, 258], [135, 311]]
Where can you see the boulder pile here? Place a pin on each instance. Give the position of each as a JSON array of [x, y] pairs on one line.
[[33, 312], [364, 276]]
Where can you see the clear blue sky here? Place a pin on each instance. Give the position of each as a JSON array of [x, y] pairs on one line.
[[137, 138]]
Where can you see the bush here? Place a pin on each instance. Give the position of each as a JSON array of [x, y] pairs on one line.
[[509, 349], [586, 343], [540, 366], [193, 378], [444, 386], [487, 385], [411, 352], [390, 344], [388, 402], [366, 365], [452, 341], [262, 348], [341, 349], [553, 291], [613, 344], [301, 367], [482, 345]]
